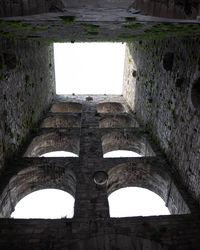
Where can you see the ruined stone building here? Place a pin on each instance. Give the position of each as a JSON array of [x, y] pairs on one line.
[[157, 116]]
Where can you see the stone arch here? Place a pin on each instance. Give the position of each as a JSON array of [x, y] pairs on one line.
[[55, 141], [33, 179], [117, 121], [149, 176], [60, 121], [126, 141], [110, 107], [68, 107]]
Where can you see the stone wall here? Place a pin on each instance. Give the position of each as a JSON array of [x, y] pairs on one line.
[[10, 8], [171, 9], [158, 83], [163, 8], [150, 233], [27, 88], [21, 7]]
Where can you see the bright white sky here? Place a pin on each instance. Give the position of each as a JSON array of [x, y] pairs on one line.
[[121, 153], [46, 203], [135, 201], [59, 154], [53, 203], [89, 68]]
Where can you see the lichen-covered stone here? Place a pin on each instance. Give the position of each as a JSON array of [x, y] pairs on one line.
[[27, 88]]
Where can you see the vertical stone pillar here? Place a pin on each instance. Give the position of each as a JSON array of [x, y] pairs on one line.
[[91, 198]]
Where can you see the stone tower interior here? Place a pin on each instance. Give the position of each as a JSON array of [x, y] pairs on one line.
[[157, 116]]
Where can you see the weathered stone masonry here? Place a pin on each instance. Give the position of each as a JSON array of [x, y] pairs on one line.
[[27, 88], [163, 100], [82, 177], [157, 117]]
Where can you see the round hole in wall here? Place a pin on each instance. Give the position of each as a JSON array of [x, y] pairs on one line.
[[100, 178], [168, 61], [46, 203], [195, 95], [179, 83], [10, 60], [134, 73]]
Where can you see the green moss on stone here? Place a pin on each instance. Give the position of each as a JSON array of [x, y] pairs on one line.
[[175, 29], [8, 34], [91, 29], [1, 77], [68, 19], [15, 24], [133, 25], [2, 66], [160, 31]]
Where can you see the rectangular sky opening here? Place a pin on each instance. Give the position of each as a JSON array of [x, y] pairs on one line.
[[89, 68]]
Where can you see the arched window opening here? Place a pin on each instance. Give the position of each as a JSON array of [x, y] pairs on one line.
[[59, 154], [121, 153], [148, 176], [46, 204], [50, 142], [135, 201], [125, 140], [33, 178]]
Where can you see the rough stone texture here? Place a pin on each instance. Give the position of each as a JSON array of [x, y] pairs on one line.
[[171, 9], [161, 97], [10, 8], [125, 139], [66, 107], [54, 140], [90, 178], [61, 121], [95, 24], [152, 233], [27, 88], [117, 121], [30, 7], [158, 83]]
